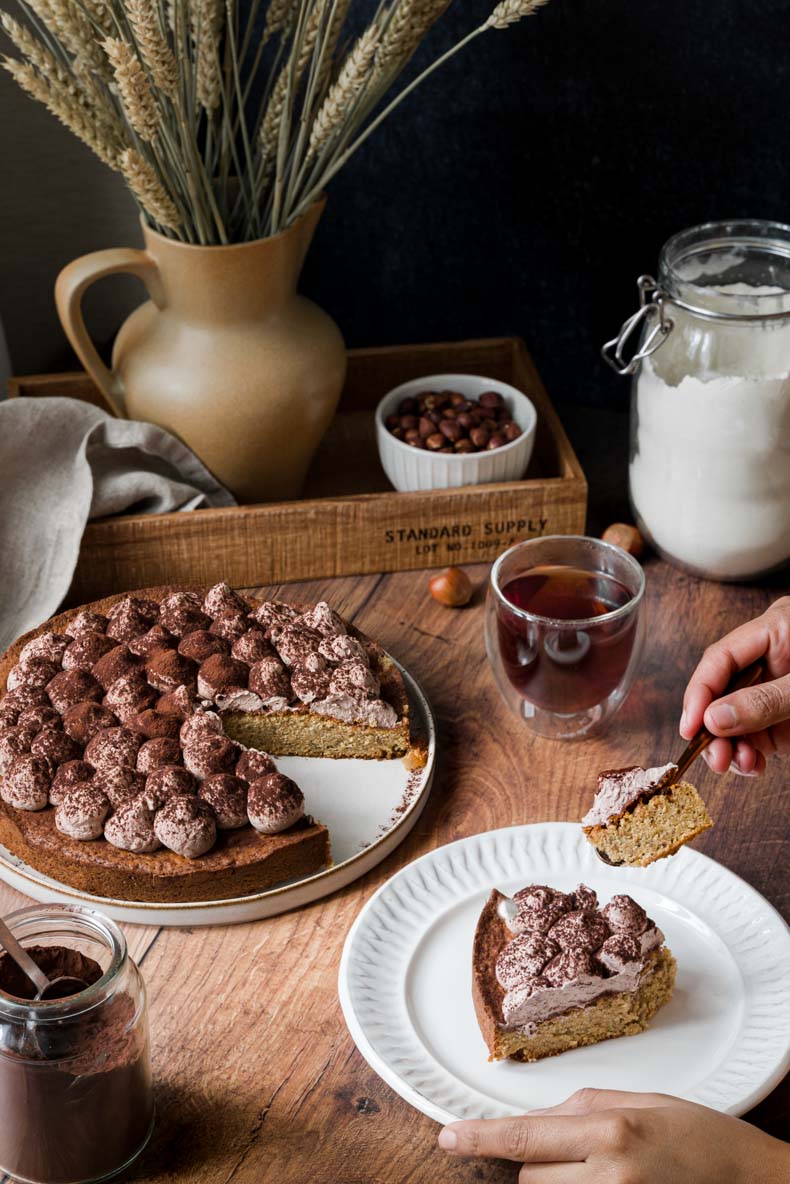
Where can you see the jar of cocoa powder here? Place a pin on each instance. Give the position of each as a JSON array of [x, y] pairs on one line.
[[76, 1101]]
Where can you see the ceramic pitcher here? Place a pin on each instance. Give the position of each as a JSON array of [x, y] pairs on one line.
[[225, 354]]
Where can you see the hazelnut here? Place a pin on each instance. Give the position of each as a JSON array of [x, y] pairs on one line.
[[625, 536], [490, 399], [447, 421], [451, 587], [450, 429]]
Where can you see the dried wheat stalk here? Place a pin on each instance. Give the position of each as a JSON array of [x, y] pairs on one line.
[[224, 132], [207, 18], [401, 35], [350, 81], [137, 98], [509, 11], [409, 21], [34, 51], [153, 46], [71, 27], [148, 189], [280, 14], [274, 113], [100, 15], [66, 107], [328, 48]]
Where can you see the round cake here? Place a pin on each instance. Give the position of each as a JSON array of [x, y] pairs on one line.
[[137, 737]]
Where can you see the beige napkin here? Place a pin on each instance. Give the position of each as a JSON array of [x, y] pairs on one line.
[[62, 462]]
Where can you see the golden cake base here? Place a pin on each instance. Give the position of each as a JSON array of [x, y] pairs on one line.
[[652, 829]]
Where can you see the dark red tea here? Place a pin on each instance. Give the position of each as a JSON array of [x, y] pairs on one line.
[[561, 668]]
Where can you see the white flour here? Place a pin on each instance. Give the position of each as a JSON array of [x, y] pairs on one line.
[[710, 472]]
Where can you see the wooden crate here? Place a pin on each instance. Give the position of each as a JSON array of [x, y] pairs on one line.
[[350, 520]]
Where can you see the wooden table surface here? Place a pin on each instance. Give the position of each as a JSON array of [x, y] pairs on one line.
[[257, 1077]]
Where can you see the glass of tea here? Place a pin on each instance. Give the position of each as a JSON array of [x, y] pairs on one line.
[[564, 631]]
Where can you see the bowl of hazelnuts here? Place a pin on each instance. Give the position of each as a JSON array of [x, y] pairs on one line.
[[447, 430]]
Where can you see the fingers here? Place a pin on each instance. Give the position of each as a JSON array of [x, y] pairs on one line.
[[767, 635], [557, 1173], [718, 756], [751, 710], [523, 1139], [696, 701], [591, 1101], [720, 661], [774, 740], [746, 758]]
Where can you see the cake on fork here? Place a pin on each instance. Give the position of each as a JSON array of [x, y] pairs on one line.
[[637, 818], [553, 971]]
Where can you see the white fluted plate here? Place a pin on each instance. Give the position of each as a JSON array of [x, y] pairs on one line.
[[406, 983]]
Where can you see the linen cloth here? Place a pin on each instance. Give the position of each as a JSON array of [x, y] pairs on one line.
[[62, 462]]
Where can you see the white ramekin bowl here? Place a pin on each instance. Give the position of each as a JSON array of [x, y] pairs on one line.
[[410, 469]]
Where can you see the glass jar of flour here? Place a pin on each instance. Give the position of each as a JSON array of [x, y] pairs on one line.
[[709, 471]]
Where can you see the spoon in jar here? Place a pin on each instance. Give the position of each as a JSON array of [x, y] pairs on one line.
[[698, 743], [46, 988]]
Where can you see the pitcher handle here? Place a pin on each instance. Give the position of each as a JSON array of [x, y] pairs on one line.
[[71, 285]]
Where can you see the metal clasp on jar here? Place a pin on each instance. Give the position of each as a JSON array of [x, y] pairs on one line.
[[651, 316]]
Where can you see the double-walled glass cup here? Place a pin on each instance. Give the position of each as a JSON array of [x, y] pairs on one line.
[[567, 668], [76, 1101]]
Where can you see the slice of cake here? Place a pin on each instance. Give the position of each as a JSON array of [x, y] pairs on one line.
[[552, 971], [635, 819], [137, 733]]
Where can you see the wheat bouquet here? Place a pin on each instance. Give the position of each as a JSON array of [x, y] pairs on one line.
[[226, 121]]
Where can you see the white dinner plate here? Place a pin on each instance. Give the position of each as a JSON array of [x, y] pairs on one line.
[[369, 807], [406, 981]]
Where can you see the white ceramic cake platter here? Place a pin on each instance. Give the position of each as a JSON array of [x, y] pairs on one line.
[[405, 981], [368, 806]]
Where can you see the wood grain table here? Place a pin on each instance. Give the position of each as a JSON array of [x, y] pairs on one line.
[[257, 1077]]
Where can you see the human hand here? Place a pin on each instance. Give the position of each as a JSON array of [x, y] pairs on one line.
[[625, 1138], [753, 723]]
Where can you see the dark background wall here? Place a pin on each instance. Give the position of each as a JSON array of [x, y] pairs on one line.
[[529, 183], [522, 190]]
